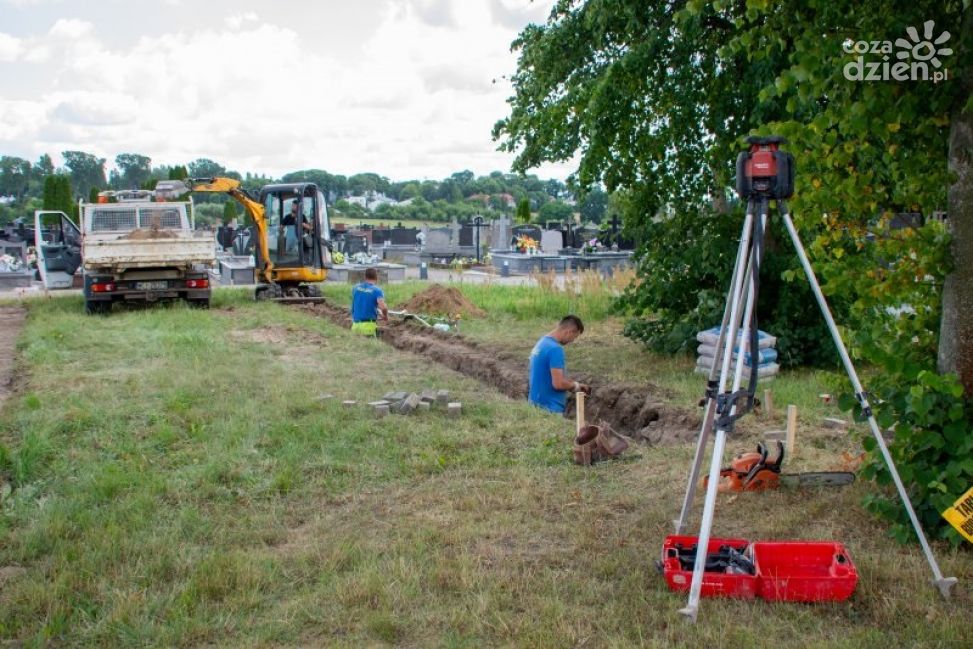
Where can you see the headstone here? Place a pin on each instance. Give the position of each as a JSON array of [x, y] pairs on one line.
[[500, 234], [466, 236], [439, 240], [551, 241], [428, 396], [395, 396]]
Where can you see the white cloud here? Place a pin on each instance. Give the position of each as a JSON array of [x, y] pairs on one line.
[[237, 21], [419, 100], [10, 48]]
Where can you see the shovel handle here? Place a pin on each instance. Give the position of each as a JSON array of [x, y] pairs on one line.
[[579, 397]]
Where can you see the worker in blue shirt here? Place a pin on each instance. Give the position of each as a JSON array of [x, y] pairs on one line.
[[548, 383], [367, 305]]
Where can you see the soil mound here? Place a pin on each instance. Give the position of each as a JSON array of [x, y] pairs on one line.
[[442, 300], [148, 233]]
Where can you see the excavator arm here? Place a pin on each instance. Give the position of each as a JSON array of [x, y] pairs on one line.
[[232, 187]]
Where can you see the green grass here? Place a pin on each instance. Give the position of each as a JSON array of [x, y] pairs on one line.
[[178, 482]]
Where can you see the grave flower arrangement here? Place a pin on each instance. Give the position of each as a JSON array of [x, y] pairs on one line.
[[590, 246], [526, 244]]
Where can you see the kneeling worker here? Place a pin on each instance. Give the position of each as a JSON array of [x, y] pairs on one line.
[[367, 303], [548, 384]]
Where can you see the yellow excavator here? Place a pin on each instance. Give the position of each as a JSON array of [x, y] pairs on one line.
[[293, 234]]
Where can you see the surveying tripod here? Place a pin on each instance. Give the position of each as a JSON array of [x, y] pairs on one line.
[[764, 173]]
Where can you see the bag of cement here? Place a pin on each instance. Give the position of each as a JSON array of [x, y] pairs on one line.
[[763, 370], [765, 354], [711, 337]]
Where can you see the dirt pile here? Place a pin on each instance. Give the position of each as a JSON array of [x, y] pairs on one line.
[[442, 300], [637, 411], [142, 234]]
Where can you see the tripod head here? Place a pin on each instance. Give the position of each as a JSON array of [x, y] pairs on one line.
[[764, 171]]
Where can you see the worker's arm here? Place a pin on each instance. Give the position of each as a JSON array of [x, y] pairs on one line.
[[384, 309], [562, 382]]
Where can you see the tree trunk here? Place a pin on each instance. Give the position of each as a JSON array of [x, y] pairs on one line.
[[956, 332]]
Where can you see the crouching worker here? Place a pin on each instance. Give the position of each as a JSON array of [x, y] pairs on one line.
[[367, 305], [548, 383]]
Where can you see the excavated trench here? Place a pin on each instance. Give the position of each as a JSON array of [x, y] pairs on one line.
[[637, 411]]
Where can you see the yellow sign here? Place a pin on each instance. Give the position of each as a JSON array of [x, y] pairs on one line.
[[960, 515]]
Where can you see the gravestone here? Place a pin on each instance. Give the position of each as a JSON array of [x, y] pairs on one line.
[[531, 231], [439, 239], [404, 236], [500, 234], [552, 241], [466, 235]]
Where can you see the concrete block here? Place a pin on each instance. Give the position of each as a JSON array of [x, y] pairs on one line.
[[428, 396], [424, 405], [408, 404], [834, 422], [442, 397], [382, 411], [395, 396], [349, 403], [375, 404], [454, 409]]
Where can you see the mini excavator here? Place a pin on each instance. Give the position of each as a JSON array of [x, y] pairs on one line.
[[293, 233]]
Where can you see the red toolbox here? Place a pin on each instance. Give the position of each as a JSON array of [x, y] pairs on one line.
[[792, 571], [715, 584], [804, 571]]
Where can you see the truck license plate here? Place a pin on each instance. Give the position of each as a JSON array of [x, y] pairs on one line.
[[151, 286]]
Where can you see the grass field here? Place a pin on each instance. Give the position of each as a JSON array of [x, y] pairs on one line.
[[177, 480]]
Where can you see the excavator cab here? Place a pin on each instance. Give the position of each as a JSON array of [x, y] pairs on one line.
[[298, 246]]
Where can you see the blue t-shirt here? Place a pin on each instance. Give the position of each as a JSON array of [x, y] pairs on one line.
[[364, 302], [548, 354]]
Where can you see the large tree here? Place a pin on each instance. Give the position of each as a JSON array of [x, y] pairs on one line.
[[14, 176], [87, 171], [134, 169]]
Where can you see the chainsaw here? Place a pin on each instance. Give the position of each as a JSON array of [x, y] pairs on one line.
[[754, 472]]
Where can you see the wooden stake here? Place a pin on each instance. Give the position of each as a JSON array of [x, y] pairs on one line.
[[769, 403], [579, 397], [791, 430]]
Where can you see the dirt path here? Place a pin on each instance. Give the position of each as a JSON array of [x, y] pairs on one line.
[[639, 411], [11, 322]]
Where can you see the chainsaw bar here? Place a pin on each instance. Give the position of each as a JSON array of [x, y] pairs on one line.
[[817, 479]]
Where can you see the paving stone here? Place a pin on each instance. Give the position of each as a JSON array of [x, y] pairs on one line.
[[349, 403], [408, 404], [834, 422], [375, 404], [382, 411], [395, 396], [454, 409], [428, 396], [442, 397], [424, 405]]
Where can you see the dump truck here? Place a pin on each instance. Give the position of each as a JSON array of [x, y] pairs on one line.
[[143, 249]]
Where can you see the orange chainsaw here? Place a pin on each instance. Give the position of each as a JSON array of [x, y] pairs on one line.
[[754, 472]]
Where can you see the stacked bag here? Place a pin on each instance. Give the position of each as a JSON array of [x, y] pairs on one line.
[[767, 366]]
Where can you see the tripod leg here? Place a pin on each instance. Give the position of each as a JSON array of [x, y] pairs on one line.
[[748, 299], [944, 584], [704, 431]]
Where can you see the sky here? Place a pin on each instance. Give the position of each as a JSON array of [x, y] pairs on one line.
[[405, 88]]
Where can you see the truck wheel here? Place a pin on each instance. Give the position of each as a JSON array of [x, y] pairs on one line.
[[97, 307]]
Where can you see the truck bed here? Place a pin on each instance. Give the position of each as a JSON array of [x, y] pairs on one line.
[[176, 248]]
